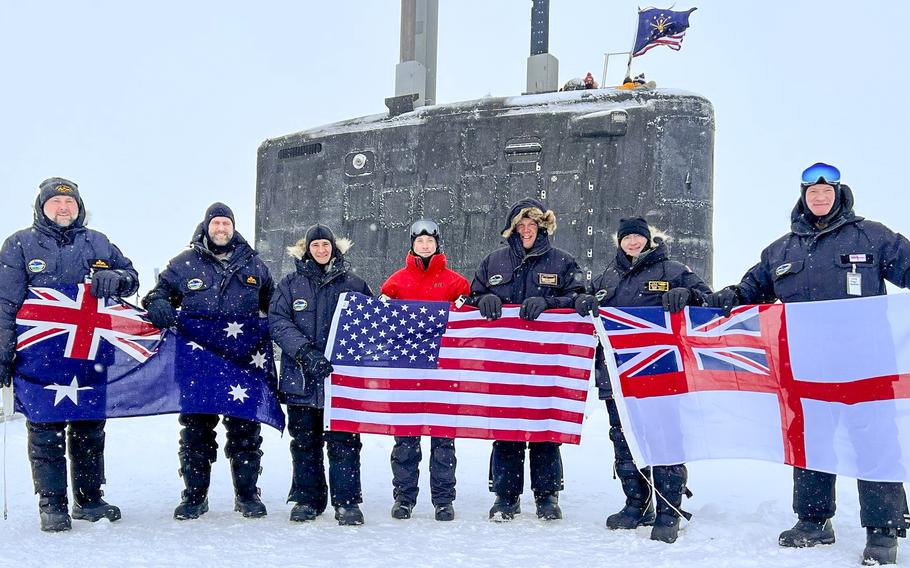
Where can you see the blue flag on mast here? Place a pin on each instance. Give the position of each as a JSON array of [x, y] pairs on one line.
[[660, 27]]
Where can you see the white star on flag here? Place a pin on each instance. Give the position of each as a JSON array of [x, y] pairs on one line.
[[238, 393], [259, 360], [234, 329], [70, 391], [194, 345]]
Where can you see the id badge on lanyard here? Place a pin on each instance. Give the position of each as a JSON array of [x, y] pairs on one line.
[[854, 283]]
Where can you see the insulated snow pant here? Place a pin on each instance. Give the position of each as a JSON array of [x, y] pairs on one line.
[[636, 489], [47, 445], [308, 486], [881, 504], [507, 462], [406, 456], [198, 450]]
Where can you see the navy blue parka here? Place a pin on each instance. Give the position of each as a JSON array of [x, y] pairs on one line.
[[196, 281], [46, 254], [301, 314]]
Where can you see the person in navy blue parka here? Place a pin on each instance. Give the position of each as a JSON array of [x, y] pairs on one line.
[[219, 275], [529, 271], [59, 249], [831, 253], [300, 318]]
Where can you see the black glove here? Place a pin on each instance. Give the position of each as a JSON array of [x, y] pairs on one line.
[[6, 374], [313, 363], [676, 299], [490, 306], [585, 304], [162, 313], [105, 283], [532, 307], [728, 298]]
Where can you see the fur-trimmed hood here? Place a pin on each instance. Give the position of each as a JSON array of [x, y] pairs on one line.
[[657, 237], [531, 209], [299, 249]]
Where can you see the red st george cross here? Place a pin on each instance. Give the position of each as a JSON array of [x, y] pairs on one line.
[[85, 320], [746, 352]]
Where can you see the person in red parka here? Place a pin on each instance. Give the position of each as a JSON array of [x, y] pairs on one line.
[[424, 277]]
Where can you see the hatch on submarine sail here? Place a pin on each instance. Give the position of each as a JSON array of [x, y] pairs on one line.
[[593, 156]]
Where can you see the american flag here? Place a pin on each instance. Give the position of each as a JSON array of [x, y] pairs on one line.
[[410, 368]]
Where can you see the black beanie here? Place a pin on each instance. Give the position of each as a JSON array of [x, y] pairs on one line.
[[634, 226], [317, 232], [55, 186], [218, 209]]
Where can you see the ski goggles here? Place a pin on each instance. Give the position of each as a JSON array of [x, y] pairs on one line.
[[424, 227], [820, 173]]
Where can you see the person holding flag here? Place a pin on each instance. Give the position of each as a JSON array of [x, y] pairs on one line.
[[642, 275], [59, 249], [424, 277], [531, 272], [300, 319], [218, 276], [830, 253]]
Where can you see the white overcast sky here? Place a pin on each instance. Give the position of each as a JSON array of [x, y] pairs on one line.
[[156, 109]]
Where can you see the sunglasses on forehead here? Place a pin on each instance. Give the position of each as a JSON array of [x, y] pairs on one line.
[[820, 173]]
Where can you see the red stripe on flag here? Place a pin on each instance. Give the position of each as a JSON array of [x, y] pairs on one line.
[[458, 410], [458, 386], [452, 432], [521, 346], [513, 368], [518, 323]]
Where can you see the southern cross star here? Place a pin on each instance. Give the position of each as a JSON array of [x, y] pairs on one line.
[[233, 329], [238, 393], [259, 360]]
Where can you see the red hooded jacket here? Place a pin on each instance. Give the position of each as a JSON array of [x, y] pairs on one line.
[[436, 283]]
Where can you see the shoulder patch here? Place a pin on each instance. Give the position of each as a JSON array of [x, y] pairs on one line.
[[299, 305], [658, 286], [195, 284], [544, 279], [495, 279], [36, 265], [252, 280], [783, 269], [100, 264], [600, 294]]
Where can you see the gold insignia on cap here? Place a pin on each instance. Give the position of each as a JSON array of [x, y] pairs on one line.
[[64, 189]]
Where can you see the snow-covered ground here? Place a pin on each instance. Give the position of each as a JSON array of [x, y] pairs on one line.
[[739, 508]]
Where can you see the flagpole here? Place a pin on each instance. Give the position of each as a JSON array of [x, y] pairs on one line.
[[7, 415], [610, 360], [634, 41]]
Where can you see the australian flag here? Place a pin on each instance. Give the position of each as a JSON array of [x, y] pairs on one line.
[[83, 358], [660, 27]]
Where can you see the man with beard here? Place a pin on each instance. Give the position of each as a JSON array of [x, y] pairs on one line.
[[219, 275], [58, 249]]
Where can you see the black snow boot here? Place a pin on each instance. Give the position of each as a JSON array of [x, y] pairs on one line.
[[349, 515], [193, 505], [302, 513], [548, 506], [245, 471], [639, 508], [54, 514], [445, 512], [670, 483], [91, 507], [881, 546], [806, 533], [401, 510], [505, 508]]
